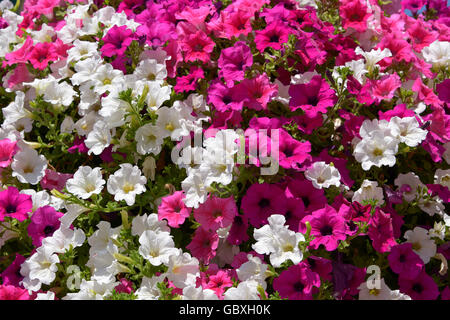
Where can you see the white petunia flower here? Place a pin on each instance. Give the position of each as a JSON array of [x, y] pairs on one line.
[[182, 269], [42, 265], [126, 183], [323, 175], [16, 110], [195, 189], [99, 138], [149, 139], [82, 50], [421, 243], [157, 247], [377, 150], [157, 94], [432, 206], [437, 53], [246, 290], [28, 166], [94, 289], [193, 293], [407, 130], [381, 293], [150, 70], [369, 190], [149, 289], [86, 182], [172, 123], [442, 177], [409, 185], [374, 56], [63, 239], [140, 224], [253, 269]]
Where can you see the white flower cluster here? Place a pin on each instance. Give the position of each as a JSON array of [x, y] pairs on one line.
[[381, 138]]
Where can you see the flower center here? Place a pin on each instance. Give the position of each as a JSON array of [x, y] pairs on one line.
[[28, 169], [11, 208], [127, 187], [377, 152], [170, 127], [89, 188], [288, 248], [326, 230], [374, 292], [48, 230], [298, 286], [416, 246], [264, 203], [417, 287]]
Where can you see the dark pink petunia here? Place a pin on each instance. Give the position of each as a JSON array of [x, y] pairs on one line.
[[256, 93], [14, 204], [116, 41], [261, 201], [422, 287], [7, 150], [381, 231], [313, 97], [273, 36], [234, 61], [297, 282], [44, 222], [197, 47], [404, 261]]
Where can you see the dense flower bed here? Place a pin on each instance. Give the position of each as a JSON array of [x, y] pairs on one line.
[[247, 149]]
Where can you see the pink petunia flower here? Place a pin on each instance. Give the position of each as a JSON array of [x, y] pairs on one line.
[[404, 261], [354, 14], [204, 245], [238, 231], [219, 282], [422, 287], [14, 205], [234, 61], [313, 97], [173, 209], [292, 153], [384, 88], [312, 198], [273, 36], [7, 150], [197, 46], [381, 231], [297, 282], [223, 98], [190, 81], [216, 213], [256, 92], [125, 286], [327, 227], [21, 54], [116, 41], [55, 180], [44, 222], [8, 292], [42, 54], [11, 275], [261, 201]]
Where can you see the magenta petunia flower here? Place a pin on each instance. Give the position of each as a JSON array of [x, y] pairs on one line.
[[381, 231], [41, 54], [327, 227], [55, 180], [14, 205], [78, 145], [223, 98], [296, 283], [256, 92], [313, 97], [354, 14], [413, 5], [124, 286], [234, 61], [261, 201], [422, 287], [404, 261], [11, 275], [292, 153], [8, 292], [273, 36], [321, 266], [116, 41], [7, 150], [236, 23], [204, 244], [189, 82], [295, 211], [238, 230], [219, 282], [197, 46], [44, 222], [21, 54], [173, 209], [443, 91], [384, 88], [216, 213], [304, 190]]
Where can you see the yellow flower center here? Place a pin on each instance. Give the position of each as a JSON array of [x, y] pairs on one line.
[[377, 152], [127, 187]]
